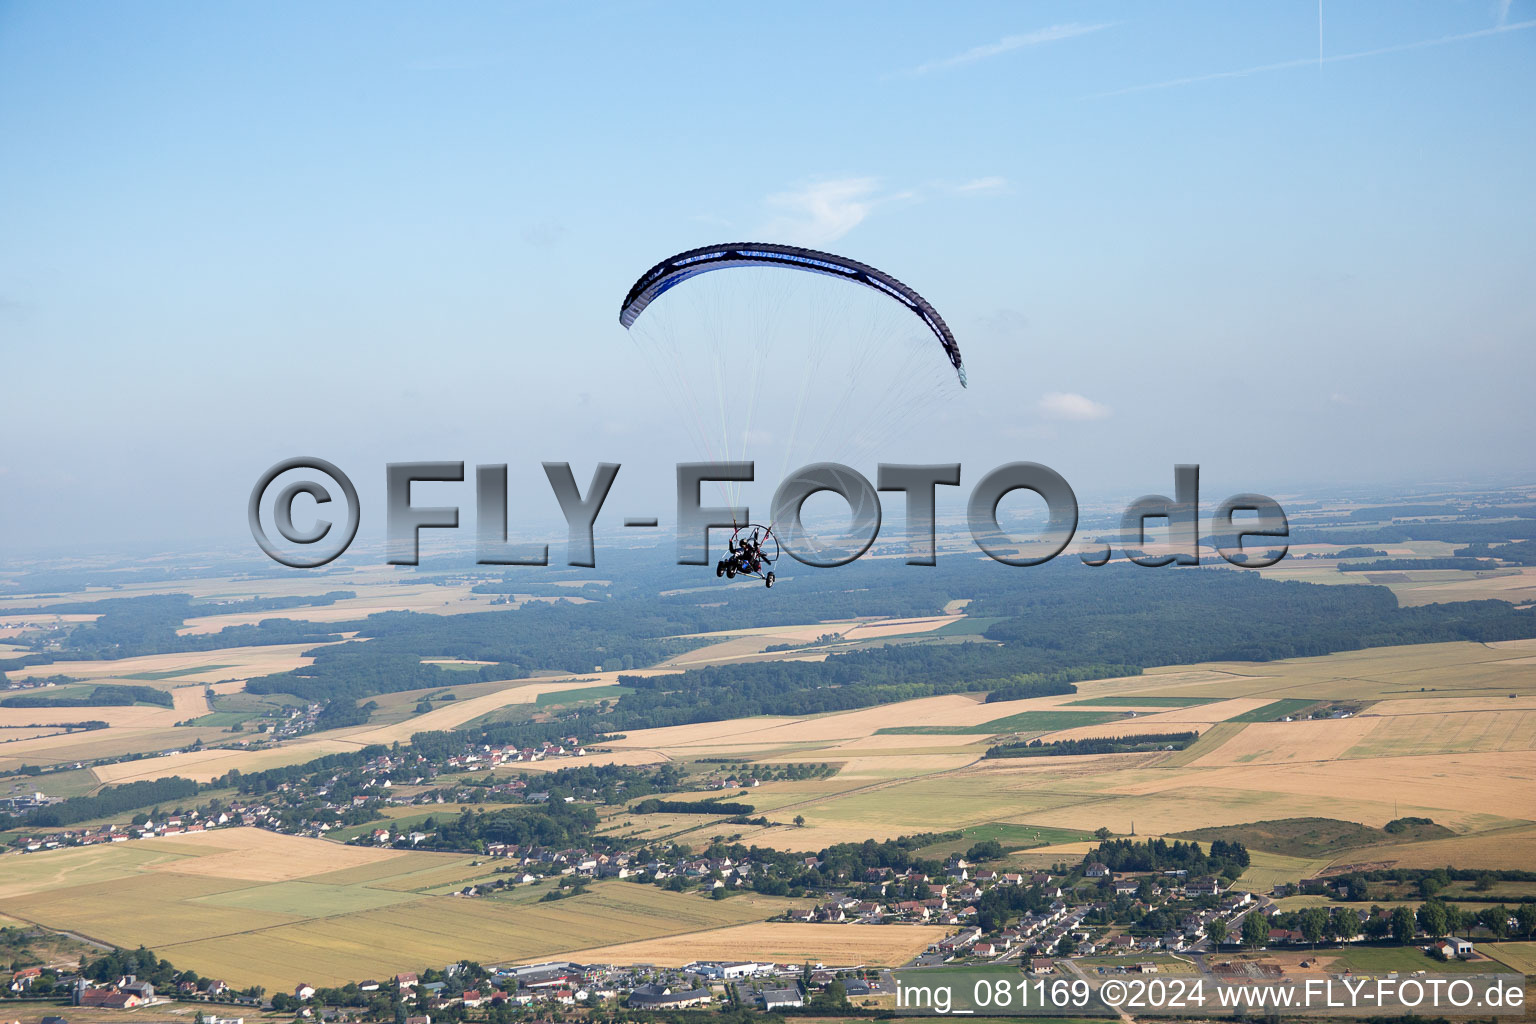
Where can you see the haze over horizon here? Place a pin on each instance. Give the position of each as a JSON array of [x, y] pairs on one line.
[[1299, 253]]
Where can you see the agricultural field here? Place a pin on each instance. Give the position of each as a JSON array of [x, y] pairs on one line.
[[261, 908], [1010, 836], [1315, 838], [210, 763], [746, 645], [1444, 731], [1033, 723], [777, 940], [181, 668], [1141, 701], [1404, 960], [1520, 956], [1239, 772]]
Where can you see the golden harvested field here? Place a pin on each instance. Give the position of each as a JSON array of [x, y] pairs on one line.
[[117, 742], [1417, 586], [1441, 705], [1518, 586], [739, 645], [208, 764], [256, 907], [750, 733], [423, 597], [1449, 733], [1417, 671], [140, 716], [456, 713], [1446, 745], [1191, 719], [131, 729], [261, 856], [781, 941], [1511, 847], [1288, 742], [189, 666], [440, 929]]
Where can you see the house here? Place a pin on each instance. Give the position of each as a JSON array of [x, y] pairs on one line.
[[23, 979], [1041, 965], [407, 981], [1204, 887], [1451, 949], [664, 997], [107, 999], [471, 998], [776, 998], [1146, 967], [730, 971], [1096, 870], [303, 992], [134, 987]]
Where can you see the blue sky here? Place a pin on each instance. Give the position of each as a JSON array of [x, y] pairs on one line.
[[1292, 243]]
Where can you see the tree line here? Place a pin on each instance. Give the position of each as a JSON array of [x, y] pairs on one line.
[[1097, 745]]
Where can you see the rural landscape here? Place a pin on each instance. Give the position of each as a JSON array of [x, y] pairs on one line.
[[563, 789], [695, 513]]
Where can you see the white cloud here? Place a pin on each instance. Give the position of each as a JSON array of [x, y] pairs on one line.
[[988, 186], [1008, 44], [1068, 405], [824, 211]]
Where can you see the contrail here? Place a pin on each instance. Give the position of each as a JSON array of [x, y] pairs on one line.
[[1518, 26]]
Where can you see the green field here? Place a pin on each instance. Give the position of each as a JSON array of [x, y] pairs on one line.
[[1519, 955], [1275, 710], [174, 673], [1009, 835], [255, 703], [1403, 959], [1024, 721], [221, 719], [581, 696], [74, 782], [1312, 837]]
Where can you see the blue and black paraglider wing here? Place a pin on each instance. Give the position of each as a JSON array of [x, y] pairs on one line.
[[674, 270]]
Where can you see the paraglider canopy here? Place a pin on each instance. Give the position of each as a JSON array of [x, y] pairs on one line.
[[674, 270]]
